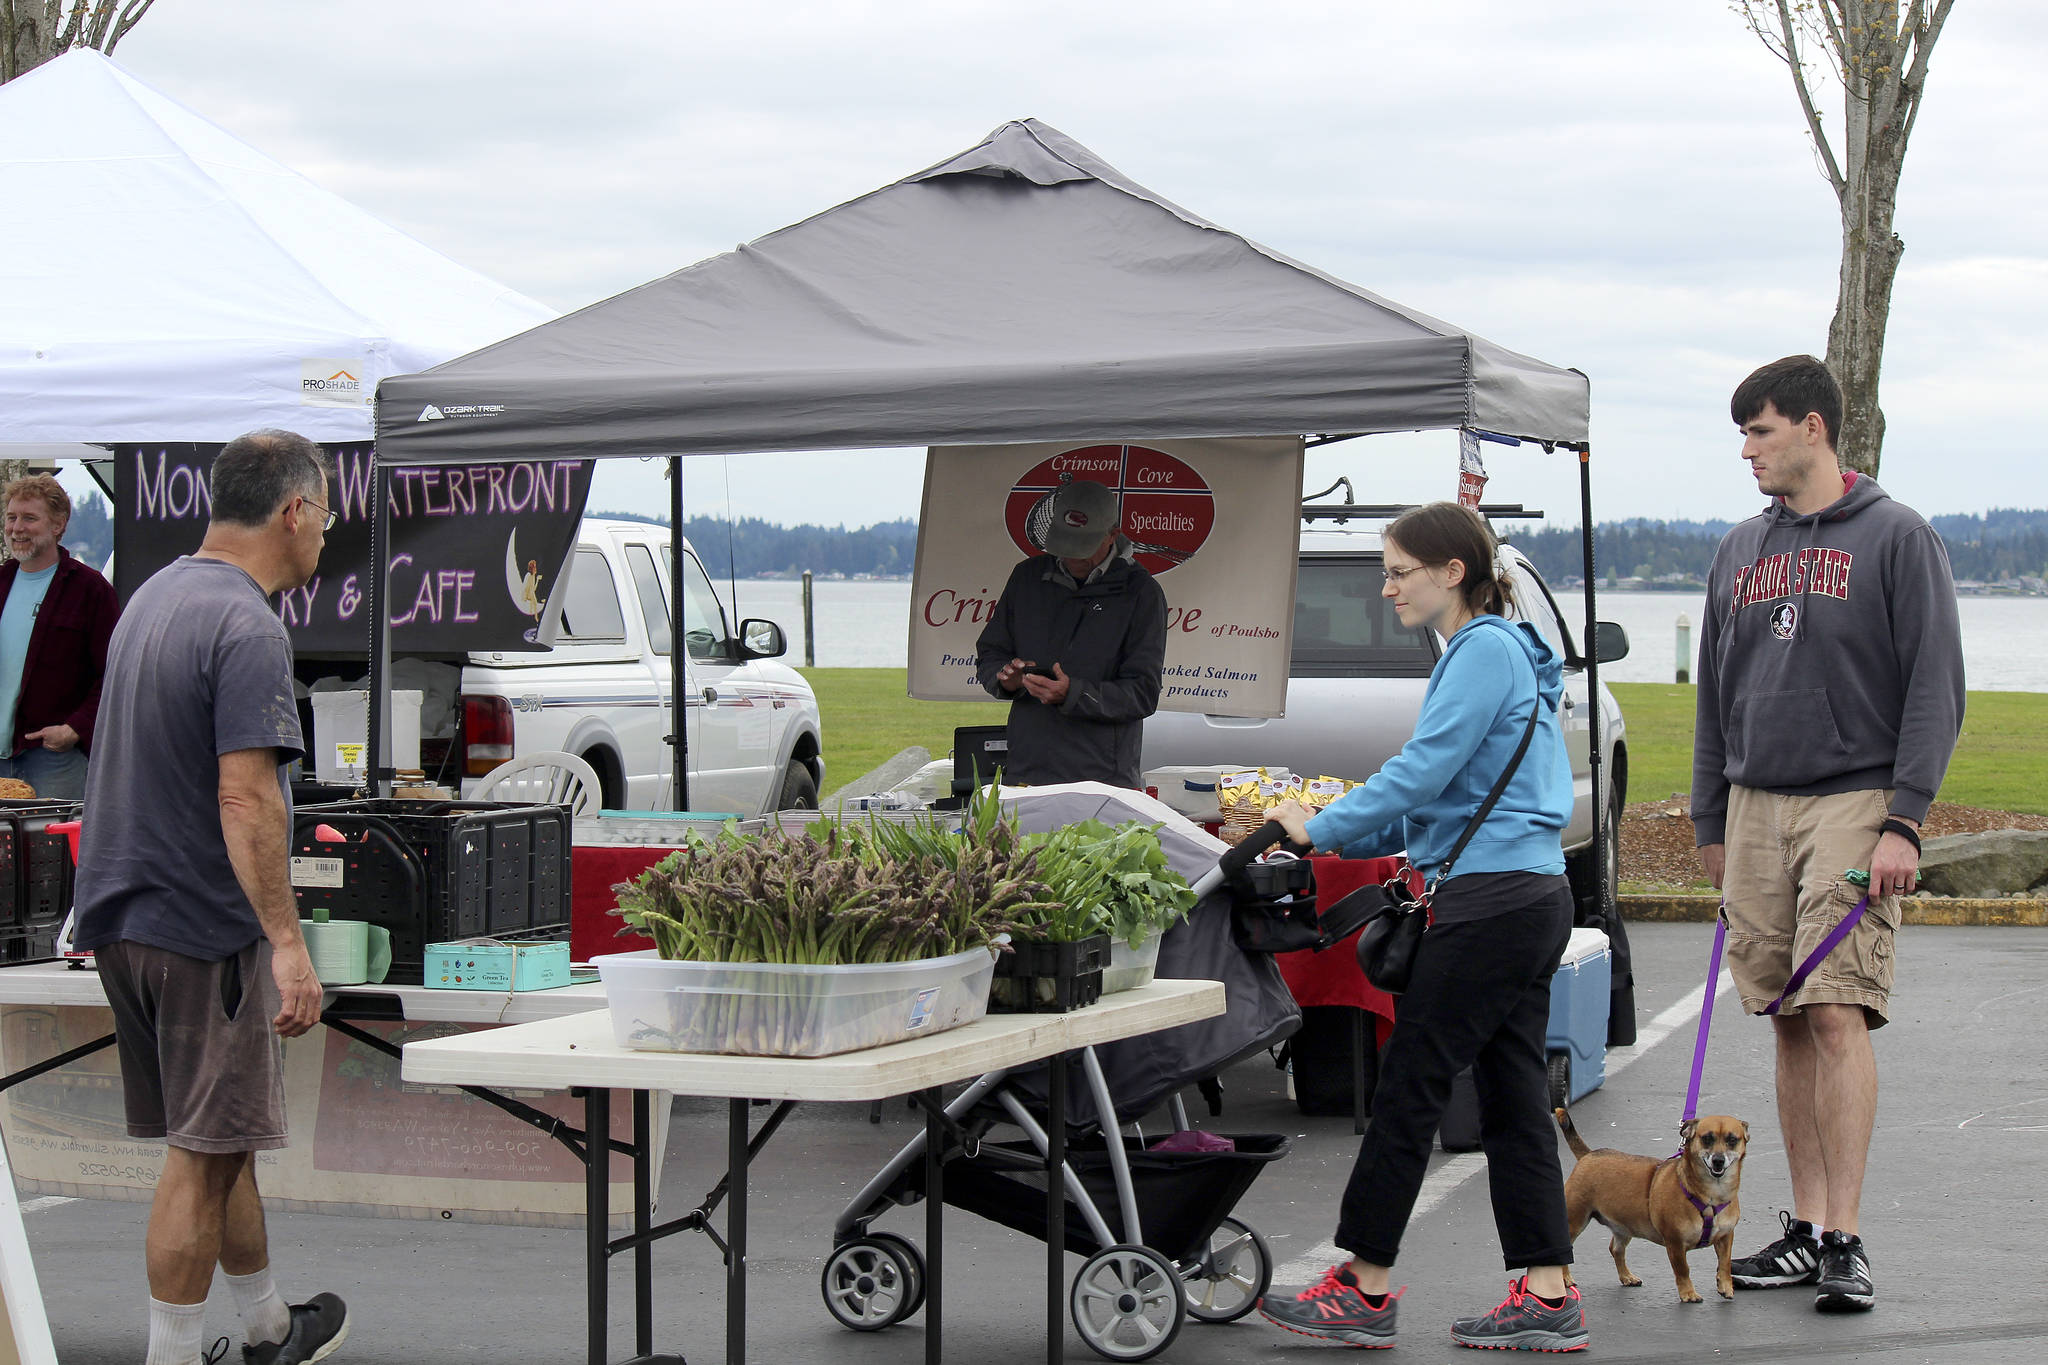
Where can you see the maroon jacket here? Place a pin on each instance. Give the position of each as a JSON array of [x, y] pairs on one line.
[[67, 651]]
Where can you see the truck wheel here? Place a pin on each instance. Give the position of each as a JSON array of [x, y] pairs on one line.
[[799, 789]]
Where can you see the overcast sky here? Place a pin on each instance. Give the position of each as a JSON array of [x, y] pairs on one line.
[[1623, 186]]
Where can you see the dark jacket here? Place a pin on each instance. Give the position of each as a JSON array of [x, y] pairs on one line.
[[1109, 636], [67, 651], [1830, 658]]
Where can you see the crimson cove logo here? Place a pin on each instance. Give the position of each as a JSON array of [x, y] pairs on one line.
[[1167, 511]]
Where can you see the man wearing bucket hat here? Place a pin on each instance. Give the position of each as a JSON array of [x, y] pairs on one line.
[[184, 892], [1076, 645]]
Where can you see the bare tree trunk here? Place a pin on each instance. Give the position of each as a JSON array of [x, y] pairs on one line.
[[1880, 57], [33, 31]]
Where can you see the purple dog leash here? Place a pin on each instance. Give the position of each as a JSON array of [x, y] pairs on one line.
[[1799, 975]]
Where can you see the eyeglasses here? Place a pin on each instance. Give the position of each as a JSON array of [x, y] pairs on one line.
[[331, 517], [1399, 576]]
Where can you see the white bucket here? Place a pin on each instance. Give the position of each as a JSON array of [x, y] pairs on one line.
[[341, 732]]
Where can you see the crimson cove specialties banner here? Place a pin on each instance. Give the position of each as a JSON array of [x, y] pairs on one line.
[[475, 549], [1217, 521]]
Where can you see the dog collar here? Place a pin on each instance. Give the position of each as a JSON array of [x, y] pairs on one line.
[[1707, 1212]]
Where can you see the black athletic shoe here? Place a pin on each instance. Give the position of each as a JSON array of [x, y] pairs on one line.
[[1792, 1259], [215, 1353], [318, 1326], [1844, 1275]]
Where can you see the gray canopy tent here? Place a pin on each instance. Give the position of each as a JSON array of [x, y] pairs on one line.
[[1024, 290]]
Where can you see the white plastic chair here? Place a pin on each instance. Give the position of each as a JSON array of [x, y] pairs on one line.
[[549, 777]]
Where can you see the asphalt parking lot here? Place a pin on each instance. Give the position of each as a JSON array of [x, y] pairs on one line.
[[1953, 1215]]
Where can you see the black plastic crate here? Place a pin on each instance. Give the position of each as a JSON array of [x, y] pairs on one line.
[[34, 945], [1039, 977], [433, 871], [35, 865]]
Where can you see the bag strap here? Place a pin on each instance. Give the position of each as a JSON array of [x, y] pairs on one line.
[[1486, 807]]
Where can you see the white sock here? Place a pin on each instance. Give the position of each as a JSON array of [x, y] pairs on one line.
[[266, 1317], [174, 1332]]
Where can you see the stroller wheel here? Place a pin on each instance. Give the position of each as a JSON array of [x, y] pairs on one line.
[[906, 1250], [1230, 1276], [867, 1284], [1127, 1303]]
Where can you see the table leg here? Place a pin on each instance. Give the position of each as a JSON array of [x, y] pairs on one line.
[[1055, 1208], [736, 1233], [934, 1223], [643, 1203], [597, 1162]]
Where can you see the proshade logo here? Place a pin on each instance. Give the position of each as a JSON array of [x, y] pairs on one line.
[[331, 384]]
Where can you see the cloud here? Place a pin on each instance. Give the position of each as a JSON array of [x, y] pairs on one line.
[[1621, 186]]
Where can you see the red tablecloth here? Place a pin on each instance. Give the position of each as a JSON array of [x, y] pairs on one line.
[[1332, 977], [594, 872]]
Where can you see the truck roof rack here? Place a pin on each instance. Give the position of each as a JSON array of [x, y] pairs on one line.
[[1346, 511]]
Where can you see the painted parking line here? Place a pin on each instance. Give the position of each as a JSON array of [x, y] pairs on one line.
[[1442, 1182], [46, 1202]]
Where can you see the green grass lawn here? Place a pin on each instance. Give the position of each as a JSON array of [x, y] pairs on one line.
[[2000, 764]]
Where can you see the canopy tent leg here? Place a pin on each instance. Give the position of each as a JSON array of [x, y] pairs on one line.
[[678, 661], [380, 771]]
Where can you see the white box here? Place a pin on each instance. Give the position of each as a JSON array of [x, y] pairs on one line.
[[341, 730], [773, 1009]]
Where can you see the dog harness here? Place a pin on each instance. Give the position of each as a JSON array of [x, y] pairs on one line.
[[1708, 1212]]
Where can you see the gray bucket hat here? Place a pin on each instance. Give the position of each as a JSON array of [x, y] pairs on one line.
[[1082, 513]]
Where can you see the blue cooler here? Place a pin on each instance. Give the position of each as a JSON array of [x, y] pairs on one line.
[[1577, 1035]]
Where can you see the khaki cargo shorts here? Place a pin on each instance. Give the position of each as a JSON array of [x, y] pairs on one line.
[[1785, 893], [201, 1064]]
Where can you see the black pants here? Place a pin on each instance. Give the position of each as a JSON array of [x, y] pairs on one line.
[[1479, 997]]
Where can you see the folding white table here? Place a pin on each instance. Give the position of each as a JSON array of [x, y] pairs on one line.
[[578, 1053]]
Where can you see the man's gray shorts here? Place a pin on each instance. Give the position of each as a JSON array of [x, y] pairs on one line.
[[201, 1065]]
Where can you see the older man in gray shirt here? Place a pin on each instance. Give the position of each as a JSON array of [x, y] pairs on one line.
[[184, 892]]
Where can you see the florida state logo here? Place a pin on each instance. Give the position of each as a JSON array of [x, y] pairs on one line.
[[1784, 620]]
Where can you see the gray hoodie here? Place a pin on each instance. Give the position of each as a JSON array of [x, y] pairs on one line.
[[1830, 658]]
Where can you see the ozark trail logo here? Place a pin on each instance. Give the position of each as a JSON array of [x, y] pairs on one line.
[[433, 413]]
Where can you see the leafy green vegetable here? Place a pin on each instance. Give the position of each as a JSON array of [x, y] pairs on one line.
[[1107, 879]]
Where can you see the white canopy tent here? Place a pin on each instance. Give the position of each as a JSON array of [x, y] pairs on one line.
[[162, 281]]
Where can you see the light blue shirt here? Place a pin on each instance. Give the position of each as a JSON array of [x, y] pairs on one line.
[[17, 624]]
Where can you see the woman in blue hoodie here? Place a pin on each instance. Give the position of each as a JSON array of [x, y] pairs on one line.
[[1480, 992]]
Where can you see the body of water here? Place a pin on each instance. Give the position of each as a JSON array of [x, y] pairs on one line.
[[867, 625]]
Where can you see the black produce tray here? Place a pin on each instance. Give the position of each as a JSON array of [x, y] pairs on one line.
[[433, 871], [1073, 968], [35, 867]]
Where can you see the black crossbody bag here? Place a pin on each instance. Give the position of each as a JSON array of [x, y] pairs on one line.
[[1393, 929]]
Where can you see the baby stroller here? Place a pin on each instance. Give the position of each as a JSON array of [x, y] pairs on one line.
[[1155, 1225]]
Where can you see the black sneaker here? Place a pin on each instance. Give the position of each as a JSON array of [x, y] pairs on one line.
[[1335, 1309], [1792, 1259], [1844, 1275], [318, 1326], [1524, 1322]]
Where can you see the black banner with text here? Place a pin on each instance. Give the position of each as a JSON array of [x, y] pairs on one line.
[[475, 549]]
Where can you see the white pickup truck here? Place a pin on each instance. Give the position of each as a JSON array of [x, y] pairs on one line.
[[602, 692]]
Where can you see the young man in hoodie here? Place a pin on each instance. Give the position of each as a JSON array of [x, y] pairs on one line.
[[1830, 698]]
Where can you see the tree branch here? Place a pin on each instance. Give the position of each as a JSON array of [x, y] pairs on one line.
[[131, 15], [1916, 77], [1820, 140]]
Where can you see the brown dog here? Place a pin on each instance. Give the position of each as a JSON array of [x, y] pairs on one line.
[[1684, 1202]]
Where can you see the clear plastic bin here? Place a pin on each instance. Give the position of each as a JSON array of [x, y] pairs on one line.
[[1130, 968], [764, 1009]]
